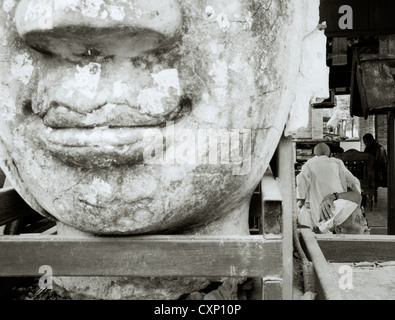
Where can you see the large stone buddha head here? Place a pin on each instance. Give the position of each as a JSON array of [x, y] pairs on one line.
[[129, 116]]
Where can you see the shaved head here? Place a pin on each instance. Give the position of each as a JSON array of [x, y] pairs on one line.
[[322, 149]]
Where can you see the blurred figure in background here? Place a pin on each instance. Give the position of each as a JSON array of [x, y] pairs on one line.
[[380, 161]]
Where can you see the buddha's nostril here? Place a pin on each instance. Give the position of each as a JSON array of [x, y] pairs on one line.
[[92, 52], [27, 109], [81, 28]]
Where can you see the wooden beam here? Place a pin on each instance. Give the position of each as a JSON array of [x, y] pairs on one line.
[[153, 256], [327, 287], [12, 206], [52, 230], [357, 248], [380, 56]]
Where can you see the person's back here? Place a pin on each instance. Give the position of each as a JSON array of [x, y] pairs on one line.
[[324, 176], [320, 176]]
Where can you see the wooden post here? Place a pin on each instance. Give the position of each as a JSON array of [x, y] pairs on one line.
[[286, 183], [391, 174], [271, 206], [339, 51], [272, 231], [387, 46], [278, 203], [272, 289]]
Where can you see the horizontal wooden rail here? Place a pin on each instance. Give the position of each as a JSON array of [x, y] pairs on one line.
[[251, 256], [357, 248], [12, 206], [326, 285], [367, 57]]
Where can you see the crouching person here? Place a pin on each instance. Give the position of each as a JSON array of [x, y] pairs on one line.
[[341, 213]]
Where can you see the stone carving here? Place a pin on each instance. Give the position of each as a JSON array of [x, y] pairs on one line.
[[90, 89], [111, 110]]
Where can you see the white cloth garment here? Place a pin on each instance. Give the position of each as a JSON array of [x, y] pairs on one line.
[[319, 177], [341, 210]]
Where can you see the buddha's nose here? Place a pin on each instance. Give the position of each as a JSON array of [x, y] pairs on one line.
[[105, 28]]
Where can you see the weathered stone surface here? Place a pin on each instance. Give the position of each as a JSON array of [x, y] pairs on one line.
[[124, 288], [107, 106], [110, 28], [153, 288], [82, 117]]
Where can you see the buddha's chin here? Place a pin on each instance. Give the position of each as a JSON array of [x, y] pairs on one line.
[[141, 199], [125, 219]]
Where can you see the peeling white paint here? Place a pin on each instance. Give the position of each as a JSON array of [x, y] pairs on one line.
[[91, 118], [312, 15], [119, 89], [91, 8], [166, 79], [210, 12], [104, 15], [7, 108], [139, 13], [214, 47], [219, 73], [40, 12], [312, 82], [4, 42], [97, 190], [249, 20], [205, 97], [96, 8], [87, 79], [142, 216], [8, 5], [223, 21], [32, 12], [237, 64], [116, 12], [149, 99], [22, 68]]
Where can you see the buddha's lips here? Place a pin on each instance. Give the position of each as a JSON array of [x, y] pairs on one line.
[[95, 137], [110, 134], [97, 147], [111, 115]]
